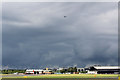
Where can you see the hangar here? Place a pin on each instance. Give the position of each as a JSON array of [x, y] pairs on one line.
[[97, 69]]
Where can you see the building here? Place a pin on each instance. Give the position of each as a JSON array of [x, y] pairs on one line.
[[33, 71], [80, 69], [97, 69], [38, 71], [92, 72]]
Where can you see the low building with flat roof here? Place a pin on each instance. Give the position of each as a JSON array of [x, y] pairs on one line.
[[38, 71], [103, 69]]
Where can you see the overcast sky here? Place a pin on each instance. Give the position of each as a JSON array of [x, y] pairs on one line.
[[38, 35]]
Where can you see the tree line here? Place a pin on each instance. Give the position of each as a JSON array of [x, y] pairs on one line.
[[11, 71]]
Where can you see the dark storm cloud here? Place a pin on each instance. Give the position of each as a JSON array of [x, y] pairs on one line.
[[37, 34]]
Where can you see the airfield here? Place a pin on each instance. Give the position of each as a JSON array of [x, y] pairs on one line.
[[61, 77]]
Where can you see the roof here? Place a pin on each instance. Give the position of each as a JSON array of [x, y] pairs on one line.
[[34, 70], [106, 67]]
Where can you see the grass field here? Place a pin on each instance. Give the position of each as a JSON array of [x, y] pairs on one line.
[[59, 79], [65, 76]]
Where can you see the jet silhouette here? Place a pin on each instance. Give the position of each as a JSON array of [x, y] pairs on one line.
[[65, 16]]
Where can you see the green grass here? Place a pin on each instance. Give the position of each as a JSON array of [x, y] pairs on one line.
[[70, 76]]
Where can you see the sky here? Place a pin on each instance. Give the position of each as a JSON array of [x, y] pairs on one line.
[[36, 34]]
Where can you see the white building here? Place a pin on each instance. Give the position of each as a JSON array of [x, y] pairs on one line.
[[34, 71], [80, 69], [38, 71], [92, 72]]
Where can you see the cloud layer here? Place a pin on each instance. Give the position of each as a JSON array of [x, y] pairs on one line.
[[38, 35]]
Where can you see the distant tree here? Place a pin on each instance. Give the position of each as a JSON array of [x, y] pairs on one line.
[[12, 71], [75, 69], [70, 69], [62, 71]]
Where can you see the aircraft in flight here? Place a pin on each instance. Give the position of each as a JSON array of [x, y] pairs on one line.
[[65, 16]]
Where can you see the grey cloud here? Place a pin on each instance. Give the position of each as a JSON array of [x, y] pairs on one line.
[[37, 34]]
